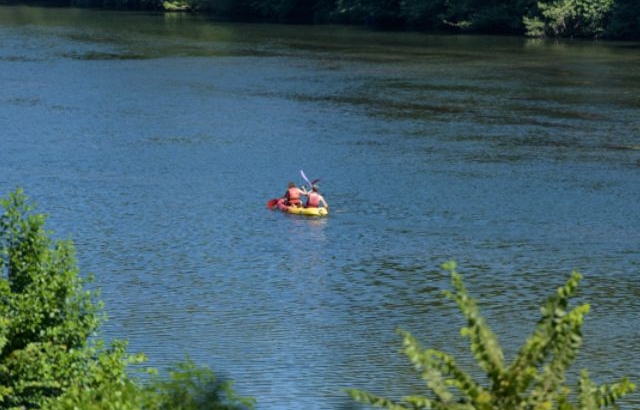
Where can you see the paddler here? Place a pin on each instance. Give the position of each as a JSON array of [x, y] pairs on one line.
[[314, 199], [293, 195]]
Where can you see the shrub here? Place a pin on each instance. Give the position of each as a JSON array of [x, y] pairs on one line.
[[47, 317], [49, 355], [535, 380], [196, 388]]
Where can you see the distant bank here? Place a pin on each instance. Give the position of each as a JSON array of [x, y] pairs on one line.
[[603, 19]]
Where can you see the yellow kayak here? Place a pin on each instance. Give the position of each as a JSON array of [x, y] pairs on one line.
[[304, 211], [296, 210]]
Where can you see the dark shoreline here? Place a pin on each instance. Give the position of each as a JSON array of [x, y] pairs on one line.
[[621, 22]]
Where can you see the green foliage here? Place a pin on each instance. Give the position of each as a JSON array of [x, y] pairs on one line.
[[47, 317], [535, 380], [187, 387], [534, 27], [196, 388], [110, 387], [47, 320], [575, 18]]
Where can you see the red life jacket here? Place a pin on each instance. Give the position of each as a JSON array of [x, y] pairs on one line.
[[314, 200], [294, 195]]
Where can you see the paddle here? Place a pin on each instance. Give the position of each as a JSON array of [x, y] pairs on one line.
[[272, 202], [305, 178], [311, 183]]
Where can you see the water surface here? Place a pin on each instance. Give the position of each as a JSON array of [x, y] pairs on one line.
[[154, 142]]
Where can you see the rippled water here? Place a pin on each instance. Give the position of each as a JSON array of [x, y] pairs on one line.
[[155, 141]]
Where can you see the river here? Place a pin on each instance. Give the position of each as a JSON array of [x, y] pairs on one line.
[[154, 142]]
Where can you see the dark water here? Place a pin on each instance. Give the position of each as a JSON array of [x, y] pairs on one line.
[[155, 141]]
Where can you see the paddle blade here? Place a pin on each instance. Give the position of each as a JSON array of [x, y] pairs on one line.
[[272, 202], [305, 177], [315, 181]]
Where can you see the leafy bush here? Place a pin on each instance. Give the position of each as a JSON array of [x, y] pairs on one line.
[[49, 357], [535, 380], [47, 317], [196, 388], [187, 387], [575, 18]]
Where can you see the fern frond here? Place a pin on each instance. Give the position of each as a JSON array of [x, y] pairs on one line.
[[421, 402], [429, 366], [555, 340], [587, 391], [483, 342], [592, 397], [534, 381], [564, 343], [376, 401], [439, 370], [607, 395]]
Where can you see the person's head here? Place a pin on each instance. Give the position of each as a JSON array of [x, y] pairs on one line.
[[292, 184], [314, 188]]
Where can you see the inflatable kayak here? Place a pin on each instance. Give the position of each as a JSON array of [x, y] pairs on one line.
[[296, 210]]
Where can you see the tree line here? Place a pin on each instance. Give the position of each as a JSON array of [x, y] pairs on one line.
[[611, 19]]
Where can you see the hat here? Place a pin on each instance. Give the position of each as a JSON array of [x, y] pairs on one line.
[[315, 187]]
